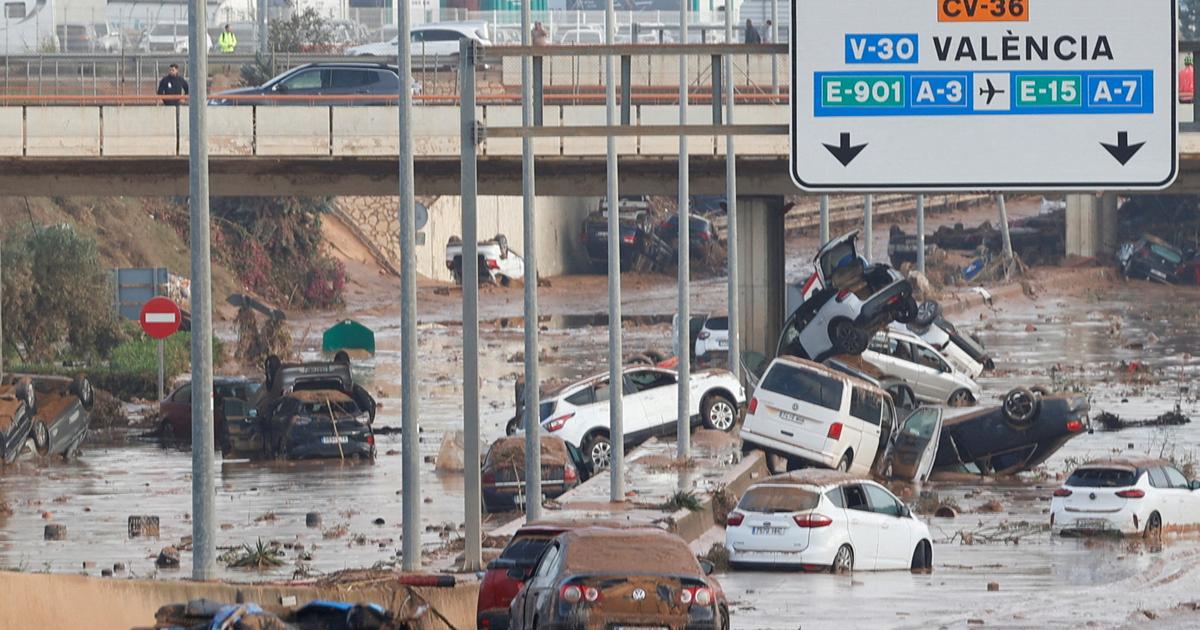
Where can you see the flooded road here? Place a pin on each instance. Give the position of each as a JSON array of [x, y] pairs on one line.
[[1044, 581]]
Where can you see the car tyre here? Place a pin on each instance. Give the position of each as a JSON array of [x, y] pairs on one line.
[[922, 557], [599, 451], [720, 413], [724, 618], [1154, 526], [843, 562], [848, 338], [907, 312], [846, 461], [82, 388], [961, 398], [41, 437], [511, 427], [927, 312], [166, 431], [1020, 407], [26, 394]]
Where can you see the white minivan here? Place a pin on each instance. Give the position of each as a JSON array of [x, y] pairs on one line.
[[811, 414]]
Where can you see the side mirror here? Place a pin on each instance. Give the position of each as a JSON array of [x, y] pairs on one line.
[[707, 567], [279, 87], [905, 512], [1194, 484]]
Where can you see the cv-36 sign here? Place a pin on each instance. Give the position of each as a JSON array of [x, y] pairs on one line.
[[996, 94]]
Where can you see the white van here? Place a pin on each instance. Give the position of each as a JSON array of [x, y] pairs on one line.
[[813, 415]]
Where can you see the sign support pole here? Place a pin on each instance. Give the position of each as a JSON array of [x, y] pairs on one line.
[[824, 229], [472, 558], [533, 390], [868, 228], [616, 424], [734, 288], [161, 370], [683, 426], [1008, 251], [921, 233]]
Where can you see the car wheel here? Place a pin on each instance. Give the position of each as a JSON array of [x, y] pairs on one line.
[[843, 562], [724, 618], [907, 311], [922, 559], [844, 464], [511, 427], [166, 431], [1154, 526], [1020, 407], [599, 451], [82, 388], [719, 412], [41, 437], [26, 394], [961, 398], [848, 338], [927, 312]]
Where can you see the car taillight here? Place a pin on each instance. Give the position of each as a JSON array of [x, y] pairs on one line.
[[734, 519], [629, 238], [704, 236], [573, 594], [488, 478], [557, 423], [697, 595], [812, 520], [1132, 494], [370, 440], [569, 474], [841, 295], [1062, 492], [1075, 426], [753, 405], [835, 431], [703, 334], [894, 299], [493, 264]]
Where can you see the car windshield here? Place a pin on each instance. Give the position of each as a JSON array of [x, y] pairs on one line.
[[317, 406], [525, 550], [1166, 253], [772, 499], [717, 323], [1101, 478], [805, 385]]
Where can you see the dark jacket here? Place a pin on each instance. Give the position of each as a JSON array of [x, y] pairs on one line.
[[170, 85], [753, 36]]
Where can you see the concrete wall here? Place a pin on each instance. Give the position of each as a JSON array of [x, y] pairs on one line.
[[12, 133], [1091, 225], [761, 272], [559, 221]]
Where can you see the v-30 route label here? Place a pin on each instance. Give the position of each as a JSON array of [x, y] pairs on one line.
[[982, 11]]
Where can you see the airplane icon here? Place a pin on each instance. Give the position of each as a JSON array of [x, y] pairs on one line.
[[990, 91]]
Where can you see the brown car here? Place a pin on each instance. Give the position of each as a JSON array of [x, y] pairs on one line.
[[600, 578]]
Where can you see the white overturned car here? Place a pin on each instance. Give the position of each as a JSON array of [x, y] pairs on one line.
[[1126, 496], [828, 521], [578, 413], [497, 263]]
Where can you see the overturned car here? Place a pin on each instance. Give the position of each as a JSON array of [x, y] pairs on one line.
[[60, 418], [16, 418]]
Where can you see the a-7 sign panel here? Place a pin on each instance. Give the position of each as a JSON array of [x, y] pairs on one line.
[[983, 94]]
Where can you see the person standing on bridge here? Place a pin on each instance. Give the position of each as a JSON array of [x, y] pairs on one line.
[[752, 34], [172, 85], [539, 35], [227, 43]]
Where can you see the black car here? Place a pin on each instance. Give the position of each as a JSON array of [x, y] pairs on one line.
[[503, 472], [60, 420], [701, 231], [17, 402], [637, 233], [1025, 430], [312, 410], [355, 80], [1150, 258]]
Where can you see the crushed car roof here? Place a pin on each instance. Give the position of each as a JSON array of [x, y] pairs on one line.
[[510, 450], [623, 551], [811, 477], [1132, 463]]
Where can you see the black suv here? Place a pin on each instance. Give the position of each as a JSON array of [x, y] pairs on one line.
[[357, 81]]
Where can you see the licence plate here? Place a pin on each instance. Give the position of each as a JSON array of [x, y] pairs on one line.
[[1158, 273], [722, 343], [1092, 523], [766, 531], [330, 439], [601, 234], [791, 417]]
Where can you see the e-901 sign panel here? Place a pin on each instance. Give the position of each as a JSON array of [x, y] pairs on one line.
[[910, 94]]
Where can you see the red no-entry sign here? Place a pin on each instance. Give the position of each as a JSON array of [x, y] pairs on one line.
[[160, 318]]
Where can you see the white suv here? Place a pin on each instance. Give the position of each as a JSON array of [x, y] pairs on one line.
[[578, 413], [921, 368], [808, 413], [430, 42]]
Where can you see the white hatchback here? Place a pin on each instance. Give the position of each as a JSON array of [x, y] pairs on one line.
[[927, 374], [823, 520], [1128, 496]]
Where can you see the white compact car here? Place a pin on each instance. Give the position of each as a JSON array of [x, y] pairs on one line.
[[429, 41], [823, 520], [807, 413], [497, 263], [1129, 496], [927, 374], [937, 337], [578, 413]]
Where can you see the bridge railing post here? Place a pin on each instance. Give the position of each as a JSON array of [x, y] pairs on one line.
[[626, 87]]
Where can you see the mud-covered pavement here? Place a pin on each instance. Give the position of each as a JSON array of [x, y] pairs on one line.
[[1044, 581]]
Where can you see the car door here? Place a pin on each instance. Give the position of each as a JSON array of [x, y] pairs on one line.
[[348, 82], [538, 594], [1181, 497], [653, 392], [177, 408], [1162, 496], [931, 370], [863, 525], [894, 550], [310, 82], [914, 449]]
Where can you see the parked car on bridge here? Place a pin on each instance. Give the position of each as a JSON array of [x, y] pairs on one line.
[[578, 413], [324, 81], [825, 521], [612, 578], [171, 37], [918, 366], [498, 264], [1127, 496], [432, 44]]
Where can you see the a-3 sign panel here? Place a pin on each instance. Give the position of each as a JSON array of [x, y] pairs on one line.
[[983, 94]]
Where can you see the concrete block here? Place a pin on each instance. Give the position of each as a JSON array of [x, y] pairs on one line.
[[366, 131], [436, 130], [292, 130], [141, 130], [510, 116], [669, 115], [62, 131], [575, 115], [12, 138], [230, 130], [759, 145]]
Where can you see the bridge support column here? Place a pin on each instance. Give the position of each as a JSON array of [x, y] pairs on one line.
[[760, 272], [1091, 225]]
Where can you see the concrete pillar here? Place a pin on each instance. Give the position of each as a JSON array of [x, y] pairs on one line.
[[761, 272], [1091, 225]]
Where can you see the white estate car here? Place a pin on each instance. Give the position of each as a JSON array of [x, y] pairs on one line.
[[903, 356], [820, 519], [941, 341], [1130, 496], [497, 263], [808, 413], [578, 413]]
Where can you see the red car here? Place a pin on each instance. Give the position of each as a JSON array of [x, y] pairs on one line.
[[175, 410]]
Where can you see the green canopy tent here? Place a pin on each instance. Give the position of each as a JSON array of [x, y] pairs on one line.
[[348, 335]]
